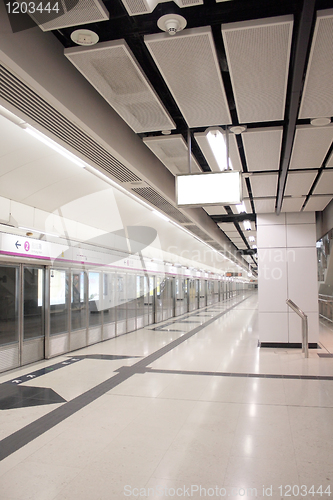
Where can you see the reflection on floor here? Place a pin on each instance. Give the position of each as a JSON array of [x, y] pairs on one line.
[[195, 411]]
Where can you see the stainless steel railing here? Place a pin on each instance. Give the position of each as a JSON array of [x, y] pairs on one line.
[[305, 332]]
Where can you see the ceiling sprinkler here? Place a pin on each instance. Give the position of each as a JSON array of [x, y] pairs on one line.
[[171, 23]]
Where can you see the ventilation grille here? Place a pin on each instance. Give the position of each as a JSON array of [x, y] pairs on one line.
[[158, 201], [198, 232], [189, 65], [137, 7], [79, 12], [258, 58], [188, 3], [173, 152], [310, 146], [317, 98], [262, 148], [113, 71], [28, 102]]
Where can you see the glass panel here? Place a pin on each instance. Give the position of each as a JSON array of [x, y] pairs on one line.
[[8, 305], [140, 294], [131, 296], [33, 303], [151, 300], [95, 312], [109, 299], [78, 302], [58, 302], [121, 297]]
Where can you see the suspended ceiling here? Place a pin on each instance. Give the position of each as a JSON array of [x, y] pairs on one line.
[[265, 65]]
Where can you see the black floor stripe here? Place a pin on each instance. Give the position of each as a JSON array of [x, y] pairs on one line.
[[23, 436], [239, 374]]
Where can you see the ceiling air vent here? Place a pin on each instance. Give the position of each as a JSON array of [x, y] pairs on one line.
[[137, 7], [113, 71], [172, 150], [161, 203], [189, 66], [71, 13], [317, 98], [258, 55], [19, 95]]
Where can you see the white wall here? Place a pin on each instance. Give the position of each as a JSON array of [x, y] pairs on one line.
[[287, 269]]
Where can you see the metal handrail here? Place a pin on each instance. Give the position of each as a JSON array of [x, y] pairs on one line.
[[305, 331]]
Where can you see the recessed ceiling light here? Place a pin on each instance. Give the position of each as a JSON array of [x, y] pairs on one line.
[[320, 122], [84, 37]]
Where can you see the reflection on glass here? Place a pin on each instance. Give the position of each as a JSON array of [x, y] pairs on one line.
[[131, 296], [58, 301], [109, 302], [121, 297], [140, 294], [95, 311], [8, 305], [33, 293], [78, 302]]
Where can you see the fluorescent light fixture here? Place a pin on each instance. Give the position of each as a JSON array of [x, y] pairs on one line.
[[39, 232], [252, 238], [241, 208], [254, 247], [218, 145], [214, 188], [247, 225], [213, 145], [53, 145]]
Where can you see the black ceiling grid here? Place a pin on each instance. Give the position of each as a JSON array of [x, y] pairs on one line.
[[299, 55]]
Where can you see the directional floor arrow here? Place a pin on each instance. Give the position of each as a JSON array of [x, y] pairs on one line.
[[21, 396]]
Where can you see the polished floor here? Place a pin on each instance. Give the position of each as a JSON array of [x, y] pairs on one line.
[[191, 409]]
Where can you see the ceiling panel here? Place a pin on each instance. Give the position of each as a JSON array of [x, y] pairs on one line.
[[236, 163], [330, 161], [292, 204], [74, 13], [299, 183], [111, 68], [317, 100], [317, 203], [262, 148], [310, 146], [325, 183], [227, 227], [172, 150], [264, 185], [136, 7], [189, 65], [258, 58], [215, 210], [263, 206]]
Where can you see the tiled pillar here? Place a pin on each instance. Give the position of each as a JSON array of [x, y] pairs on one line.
[[287, 269]]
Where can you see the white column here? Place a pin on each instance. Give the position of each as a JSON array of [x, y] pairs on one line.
[[287, 269]]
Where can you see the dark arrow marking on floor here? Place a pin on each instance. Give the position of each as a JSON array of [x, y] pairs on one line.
[[21, 396]]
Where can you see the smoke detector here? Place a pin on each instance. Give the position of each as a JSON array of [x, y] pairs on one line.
[[238, 129], [171, 23]]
